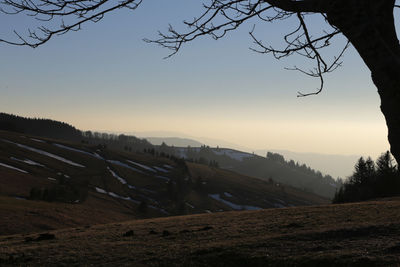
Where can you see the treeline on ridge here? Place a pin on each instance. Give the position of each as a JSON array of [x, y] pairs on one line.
[[271, 167], [371, 180], [60, 130]]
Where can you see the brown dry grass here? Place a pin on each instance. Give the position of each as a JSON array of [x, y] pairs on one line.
[[359, 234], [22, 216]]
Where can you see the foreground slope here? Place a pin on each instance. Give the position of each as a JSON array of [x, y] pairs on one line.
[[358, 234]]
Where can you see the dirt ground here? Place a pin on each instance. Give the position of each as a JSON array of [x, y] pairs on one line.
[[359, 234]]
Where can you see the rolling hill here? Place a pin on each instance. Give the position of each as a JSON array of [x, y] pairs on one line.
[[274, 167], [52, 181]]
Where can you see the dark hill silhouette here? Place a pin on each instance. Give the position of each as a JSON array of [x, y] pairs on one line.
[[39, 127], [61, 130]]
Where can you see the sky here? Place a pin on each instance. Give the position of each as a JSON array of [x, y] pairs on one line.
[[106, 78]]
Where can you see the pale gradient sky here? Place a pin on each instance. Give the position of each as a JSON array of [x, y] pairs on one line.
[[106, 78]]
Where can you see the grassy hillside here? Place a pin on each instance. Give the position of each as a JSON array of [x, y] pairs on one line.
[[272, 167], [51, 183], [357, 234]]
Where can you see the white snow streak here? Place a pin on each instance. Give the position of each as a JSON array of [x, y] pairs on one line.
[[37, 140], [236, 155], [142, 166], [116, 162], [11, 167], [28, 161], [46, 154], [79, 151], [189, 205], [228, 194], [112, 194], [159, 209], [168, 166], [233, 205], [122, 180]]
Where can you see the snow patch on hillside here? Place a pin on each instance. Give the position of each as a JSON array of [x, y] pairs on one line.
[[79, 151], [44, 153], [122, 180], [114, 195], [233, 205], [233, 154], [142, 166], [116, 162], [37, 140], [12, 167], [189, 205], [159, 209], [227, 194], [28, 161], [168, 166]]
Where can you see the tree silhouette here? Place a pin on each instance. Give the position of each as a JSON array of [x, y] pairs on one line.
[[370, 180], [367, 24]]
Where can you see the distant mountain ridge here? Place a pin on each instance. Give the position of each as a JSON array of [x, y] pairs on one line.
[[174, 141]]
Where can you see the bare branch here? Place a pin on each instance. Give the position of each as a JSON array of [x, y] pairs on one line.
[[218, 18], [222, 16], [76, 12]]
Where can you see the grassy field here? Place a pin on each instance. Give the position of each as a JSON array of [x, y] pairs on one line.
[[358, 234]]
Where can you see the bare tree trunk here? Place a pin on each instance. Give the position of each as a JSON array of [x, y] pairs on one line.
[[369, 25]]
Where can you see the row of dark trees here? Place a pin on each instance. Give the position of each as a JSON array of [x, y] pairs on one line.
[[66, 190], [60, 130], [303, 168], [120, 142], [39, 127], [371, 180]]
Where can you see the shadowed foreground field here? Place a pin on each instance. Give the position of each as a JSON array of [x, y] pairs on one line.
[[359, 234]]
